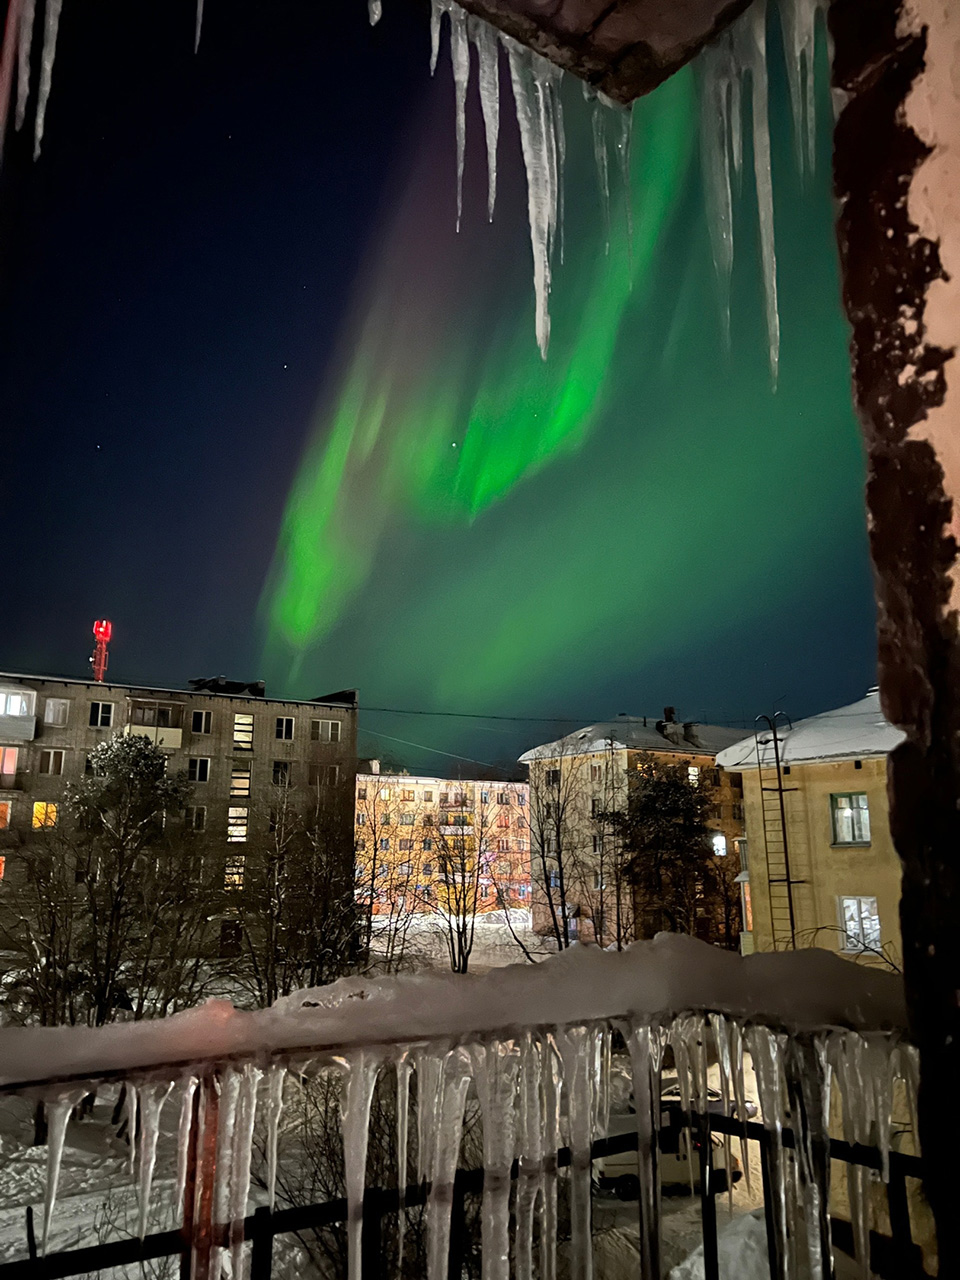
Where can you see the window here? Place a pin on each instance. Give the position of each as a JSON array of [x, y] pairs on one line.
[[428, 819], [553, 880], [285, 728], [596, 773], [553, 777], [242, 732], [237, 822], [523, 891], [361, 819], [101, 715], [324, 775], [860, 922], [361, 793], [503, 868], [503, 820], [5, 809], [851, 818], [156, 715], [737, 812], [324, 730], [55, 711], [428, 868], [406, 819], [521, 822], [196, 817], [693, 774], [406, 846], [596, 844], [361, 844], [233, 871], [595, 807], [200, 721], [503, 846], [408, 794], [15, 703], [44, 815], [386, 820], [231, 934], [51, 762], [385, 844], [281, 773], [484, 797], [240, 780], [719, 845], [198, 769], [8, 762], [599, 880], [503, 797], [428, 797], [427, 848], [521, 798]]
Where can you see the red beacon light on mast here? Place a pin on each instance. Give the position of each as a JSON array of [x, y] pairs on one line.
[[102, 631]]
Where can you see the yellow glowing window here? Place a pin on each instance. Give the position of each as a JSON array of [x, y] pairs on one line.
[[44, 815], [4, 814], [237, 825]]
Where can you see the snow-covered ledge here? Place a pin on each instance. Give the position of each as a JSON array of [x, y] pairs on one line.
[[673, 974]]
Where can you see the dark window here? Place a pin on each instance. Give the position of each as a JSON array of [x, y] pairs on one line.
[[324, 775], [101, 715], [198, 769], [201, 721], [285, 728], [553, 777], [281, 773]]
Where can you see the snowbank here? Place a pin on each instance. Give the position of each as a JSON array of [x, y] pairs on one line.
[[798, 990]]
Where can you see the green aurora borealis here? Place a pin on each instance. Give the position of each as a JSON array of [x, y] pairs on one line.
[[471, 528]]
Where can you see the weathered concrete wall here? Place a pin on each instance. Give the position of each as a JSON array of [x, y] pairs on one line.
[[897, 152]]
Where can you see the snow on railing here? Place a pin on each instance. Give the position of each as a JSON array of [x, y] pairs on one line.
[[534, 1042]]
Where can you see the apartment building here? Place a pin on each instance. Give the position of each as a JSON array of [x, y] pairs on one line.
[[437, 844], [232, 741], [820, 868], [578, 868]]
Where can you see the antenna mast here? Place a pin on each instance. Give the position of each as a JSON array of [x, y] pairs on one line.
[[102, 631]]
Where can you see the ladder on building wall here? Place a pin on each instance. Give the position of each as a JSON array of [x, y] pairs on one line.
[[781, 884]]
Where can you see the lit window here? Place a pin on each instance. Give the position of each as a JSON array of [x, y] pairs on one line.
[[196, 818], [285, 728], [324, 730], [281, 773], [406, 846], [324, 775], [242, 732], [55, 711], [851, 819], [8, 762], [503, 820], [240, 780], [101, 715], [237, 820], [719, 845], [5, 808], [198, 769], [384, 793], [201, 721], [861, 923], [51, 762], [233, 872], [693, 774], [503, 846], [13, 704], [408, 794], [44, 815]]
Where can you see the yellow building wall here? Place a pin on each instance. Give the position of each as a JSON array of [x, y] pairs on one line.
[[830, 870]]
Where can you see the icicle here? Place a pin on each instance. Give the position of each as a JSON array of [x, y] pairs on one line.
[[646, 1046], [240, 1160], [130, 1114], [11, 35], [374, 11], [717, 77], [460, 58], [581, 1083], [199, 26], [27, 15], [447, 1128], [908, 1059], [152, 1098], [599, 128], [750, 47], [437, 9], [404, 1068], [488, 60], [539, 159], [798, 25], [183, 1134], [623, 155], [223, 1176], [58, 1114], [551, 1075], [740, 1094], [51, 24], [808, 1088], [530, 1150], [545, 77], [275, 1082], [765, 1048], [429, 1070], [495, 1068], [721, 1036], [359, 1080]]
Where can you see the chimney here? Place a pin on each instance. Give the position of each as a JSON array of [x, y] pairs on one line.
[[670, 715]]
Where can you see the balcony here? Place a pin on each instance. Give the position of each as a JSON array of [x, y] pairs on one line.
[[12, 781], [18, 728], [534, 1111], [168, 739]]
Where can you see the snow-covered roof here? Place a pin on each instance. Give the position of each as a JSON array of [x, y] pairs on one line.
[[858, 730], [638, 733]]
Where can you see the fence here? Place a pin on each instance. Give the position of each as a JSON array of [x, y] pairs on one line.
[[895, 1257]]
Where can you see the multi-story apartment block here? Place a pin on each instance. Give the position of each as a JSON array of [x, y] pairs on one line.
[[434, 844], [820, 868], [232, 741], [580, 883]]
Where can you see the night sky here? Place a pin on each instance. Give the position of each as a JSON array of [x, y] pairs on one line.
[[264, 409]]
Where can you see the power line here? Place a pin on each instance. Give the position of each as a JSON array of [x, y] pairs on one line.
[[435, 751], [479, 715]]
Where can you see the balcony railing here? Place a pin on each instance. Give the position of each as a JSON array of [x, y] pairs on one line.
[[536, 1099]]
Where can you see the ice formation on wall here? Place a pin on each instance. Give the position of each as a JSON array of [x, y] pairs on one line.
[[535, 1091]]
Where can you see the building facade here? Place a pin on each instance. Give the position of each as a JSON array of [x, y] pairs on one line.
[[581, 889], [820, 868], [234, 744], [428, 845]]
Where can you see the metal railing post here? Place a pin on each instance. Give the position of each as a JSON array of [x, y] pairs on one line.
[[708, 1203]]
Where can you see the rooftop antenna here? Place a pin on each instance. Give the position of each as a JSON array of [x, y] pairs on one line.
[[102, 631]]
